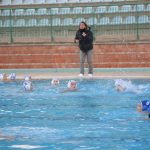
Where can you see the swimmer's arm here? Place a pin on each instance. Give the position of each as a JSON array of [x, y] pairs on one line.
[[68, 90]]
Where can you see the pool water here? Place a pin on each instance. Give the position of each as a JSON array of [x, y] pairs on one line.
[[96, 117]]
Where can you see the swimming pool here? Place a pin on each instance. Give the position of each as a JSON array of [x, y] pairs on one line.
[[95, 117]]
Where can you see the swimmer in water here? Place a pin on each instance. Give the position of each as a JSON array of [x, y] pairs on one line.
[[122, 85], [4, 77], [71, 86], [12, 76], [128, 86], [55, 82], [27, 84], [144, 107]]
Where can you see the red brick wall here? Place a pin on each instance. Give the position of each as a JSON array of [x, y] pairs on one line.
[[67, 56]]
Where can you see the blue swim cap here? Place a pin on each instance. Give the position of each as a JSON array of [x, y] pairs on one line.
[[145, 105]]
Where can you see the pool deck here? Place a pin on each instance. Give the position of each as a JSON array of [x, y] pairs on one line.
[[99, 73]]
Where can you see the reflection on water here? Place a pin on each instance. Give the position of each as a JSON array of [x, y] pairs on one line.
[[94, 117]]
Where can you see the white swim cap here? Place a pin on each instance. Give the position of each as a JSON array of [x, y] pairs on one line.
[[119, 82], [71, 81], [27, 85], [12, 76], [54, 80], [27, 78]]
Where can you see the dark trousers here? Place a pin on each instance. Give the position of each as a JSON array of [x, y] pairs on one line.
[[89, 56]]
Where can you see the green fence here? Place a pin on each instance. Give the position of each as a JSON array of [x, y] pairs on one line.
[[117, 22]]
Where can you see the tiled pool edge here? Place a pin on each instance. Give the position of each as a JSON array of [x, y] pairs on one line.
[[73, 73]]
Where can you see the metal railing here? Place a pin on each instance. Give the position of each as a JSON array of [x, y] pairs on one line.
[[109, 23]]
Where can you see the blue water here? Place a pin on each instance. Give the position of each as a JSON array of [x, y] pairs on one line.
[[96, 117]]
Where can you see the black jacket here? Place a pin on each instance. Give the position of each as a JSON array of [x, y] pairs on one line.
[[85, 43]]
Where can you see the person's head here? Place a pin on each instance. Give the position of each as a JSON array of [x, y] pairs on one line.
[[119, 85], [27, 85], [27, 78], [55, 82], [120, 88], [83, 25], [4, 77], [12, 76], [143, 106], [72, 85]]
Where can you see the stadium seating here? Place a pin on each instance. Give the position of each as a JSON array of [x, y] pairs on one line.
[[129, 20], [6, 2], [117, 20], [1, 23], [56, 22], [51, 1], [62, 1], [140, 7], [77, 10], [84, 1], [148, 7], [31, 22], [78, 20], [143, 19], [64, 10], [87, 10], [39, 1], [104, 21], [67, 21], [92, 21], [17, 2], [43, 22], [126, 8], [28, 2], [113, 9], [101, 9], [73, 1], [54, 11], [95, 0], [30, 12], [6, 12], [42, 11], [20, 23], [8, 23], [18, 12]]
